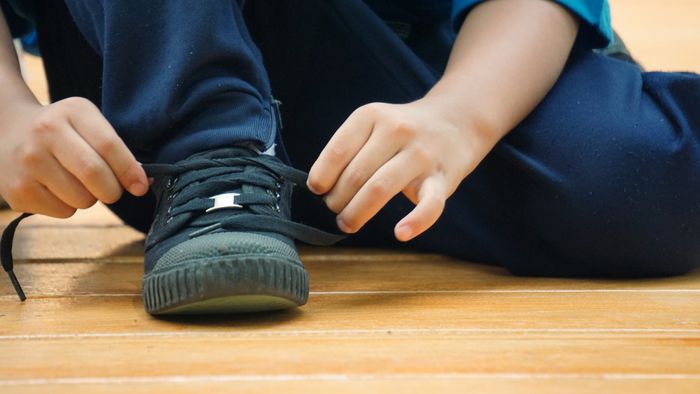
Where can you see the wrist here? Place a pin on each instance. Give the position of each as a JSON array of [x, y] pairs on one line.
[[17, 109], [14, 89], [465, 113]]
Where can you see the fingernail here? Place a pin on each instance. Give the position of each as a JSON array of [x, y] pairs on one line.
[[343, 226], [138, 189], [403, 233]]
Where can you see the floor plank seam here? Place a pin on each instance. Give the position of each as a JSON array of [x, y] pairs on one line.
[[350, 332], [396, 292], [347, 377]]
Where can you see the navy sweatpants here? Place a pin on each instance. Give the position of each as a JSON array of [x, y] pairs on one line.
[[602, 179]]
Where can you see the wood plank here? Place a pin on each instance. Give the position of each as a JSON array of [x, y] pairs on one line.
[[340, 271], [95, 216], [343, 384], [77, 243], [338, 313], [89, 234], [385, 354], [440, 326]]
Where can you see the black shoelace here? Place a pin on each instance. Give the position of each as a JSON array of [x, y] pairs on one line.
[[6, 253], [188, 205]]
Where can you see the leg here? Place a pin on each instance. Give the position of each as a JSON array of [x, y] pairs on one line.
[[221, 238], [601, 180], [178, 79]]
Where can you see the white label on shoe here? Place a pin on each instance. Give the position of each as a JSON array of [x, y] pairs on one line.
[[224, 201]]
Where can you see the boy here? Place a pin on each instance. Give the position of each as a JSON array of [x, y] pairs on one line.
[[597, 176]]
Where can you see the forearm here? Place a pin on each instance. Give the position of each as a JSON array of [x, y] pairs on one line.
[[508, 55], [14, 90]]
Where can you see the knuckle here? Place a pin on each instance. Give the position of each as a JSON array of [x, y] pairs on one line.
[[30, 156], [336, 154], [90, 170], [127, 173], [436, 202], [18, 206], [112, 195], [356, 178], [63, 212], [333, 204], [421, 155], [22, 188], [379, 187], [75, 103], [371, 109], [45, 124], [19, 192], [85, 200], [401, 129], [105, 146]]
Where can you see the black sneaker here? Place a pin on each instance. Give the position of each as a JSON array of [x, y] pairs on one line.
[[221, 240]]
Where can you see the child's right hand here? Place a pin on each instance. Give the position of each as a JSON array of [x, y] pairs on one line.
[[65, 156]]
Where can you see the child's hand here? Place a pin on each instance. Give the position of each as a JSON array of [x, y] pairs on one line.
[[384, 149], [62, 157], [507, 56]]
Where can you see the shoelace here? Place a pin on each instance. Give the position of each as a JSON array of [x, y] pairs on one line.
[[188, 208], [6, 253]]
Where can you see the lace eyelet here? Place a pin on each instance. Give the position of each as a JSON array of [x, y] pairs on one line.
[[171, 183], [277, 208]]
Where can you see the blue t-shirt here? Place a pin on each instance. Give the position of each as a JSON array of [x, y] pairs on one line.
[[594, 14], [595, 31]]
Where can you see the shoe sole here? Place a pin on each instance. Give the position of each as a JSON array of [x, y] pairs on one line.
[[226, 286]]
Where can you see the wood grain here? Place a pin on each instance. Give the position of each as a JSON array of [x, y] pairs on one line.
[[341, 384], [386, 354], [376, 321], [377, 312], [336, 271]]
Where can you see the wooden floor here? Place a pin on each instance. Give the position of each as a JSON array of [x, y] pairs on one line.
[[376, 321]]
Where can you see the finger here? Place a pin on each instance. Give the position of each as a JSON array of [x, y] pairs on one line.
[[376, 153], [387, 182], [102, 137], [342, 147], [431, 203], [81, 160], [34, 198], [62, 184]]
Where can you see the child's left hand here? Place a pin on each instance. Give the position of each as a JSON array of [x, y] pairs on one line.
[[384, 149]]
